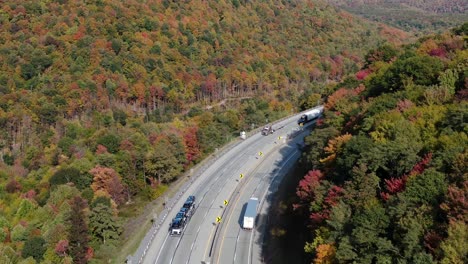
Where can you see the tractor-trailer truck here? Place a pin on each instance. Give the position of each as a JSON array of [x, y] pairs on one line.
[[250, 214], [310, 115]]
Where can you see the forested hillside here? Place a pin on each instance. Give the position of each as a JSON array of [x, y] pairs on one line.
[[410, 15], [388, 179], [104, 103]]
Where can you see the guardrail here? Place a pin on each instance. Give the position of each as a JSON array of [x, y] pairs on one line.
[[145, 244]]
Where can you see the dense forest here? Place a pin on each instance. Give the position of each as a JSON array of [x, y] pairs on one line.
[[417, 16], [104, 103], [388, 179]]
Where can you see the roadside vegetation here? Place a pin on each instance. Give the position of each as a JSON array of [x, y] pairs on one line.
[[387, 179], [419, 17], [104, 104]]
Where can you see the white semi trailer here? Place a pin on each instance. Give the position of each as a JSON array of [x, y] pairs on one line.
[[250, 214], [310, 115]]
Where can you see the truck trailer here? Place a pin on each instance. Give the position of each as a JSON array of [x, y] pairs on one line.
[[250, 214], [310, 115]]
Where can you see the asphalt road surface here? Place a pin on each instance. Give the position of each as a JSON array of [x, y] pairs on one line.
[[262, 160]]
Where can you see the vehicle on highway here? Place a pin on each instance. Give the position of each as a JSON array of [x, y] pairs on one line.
[[191, 199], [180, 220], [310, 115], [250, 214], [186, 211], [267, 130], [177, 227], [181, 215]]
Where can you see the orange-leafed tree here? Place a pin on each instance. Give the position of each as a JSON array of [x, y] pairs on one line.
[[108, 181], [325, 254], [334, 146]]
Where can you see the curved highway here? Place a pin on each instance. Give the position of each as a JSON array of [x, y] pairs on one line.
[[262, 160]]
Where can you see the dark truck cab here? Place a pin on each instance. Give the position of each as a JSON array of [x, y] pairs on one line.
[[267, 130]]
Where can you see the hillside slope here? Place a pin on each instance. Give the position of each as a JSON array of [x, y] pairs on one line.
[[387, 180], [103, 103], [410, 15]]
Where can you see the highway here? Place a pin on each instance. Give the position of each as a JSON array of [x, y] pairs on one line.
[[262, 160]]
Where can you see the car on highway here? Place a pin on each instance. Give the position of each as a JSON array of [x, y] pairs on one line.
[[186, 211], [177, 227]]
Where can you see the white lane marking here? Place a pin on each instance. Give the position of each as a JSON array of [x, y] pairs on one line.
[[177, 246], [249, 256], [207, 179], [250, 247], [160, 250]]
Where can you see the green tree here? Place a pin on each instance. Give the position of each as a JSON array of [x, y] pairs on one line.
[[110, 141], [34, 247], [103, 225], [161, 162], [455, 247], [314, 146], [19, 233], [368, 234], [70, 174], [385, 53], [101, 200], [421, 70], [25, 208], [65, 144], [426, 188], [48, 113]]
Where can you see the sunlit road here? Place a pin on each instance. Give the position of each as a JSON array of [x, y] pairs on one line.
[[262, 160]]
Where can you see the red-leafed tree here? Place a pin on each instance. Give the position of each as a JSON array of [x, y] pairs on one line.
[[422, 165], [456, 204], [362, 74], [402, 105], [329, 202], [192, 148], [432, 241], [13, 186], [100, 149], [61, 247], [334, 194], [305, 189], [396, 185], [31, 195]]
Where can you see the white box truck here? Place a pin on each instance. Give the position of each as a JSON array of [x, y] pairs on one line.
[[250, 214]]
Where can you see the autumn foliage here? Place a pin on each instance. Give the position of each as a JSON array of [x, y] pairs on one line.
[[106, 180], [305, 189], [325, 254], [392, 146]]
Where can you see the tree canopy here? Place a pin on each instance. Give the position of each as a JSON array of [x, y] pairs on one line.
[[385, 182]]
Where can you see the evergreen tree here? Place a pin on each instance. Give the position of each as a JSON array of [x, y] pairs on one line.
[[103, 225], [78, 234], [34, 247]]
